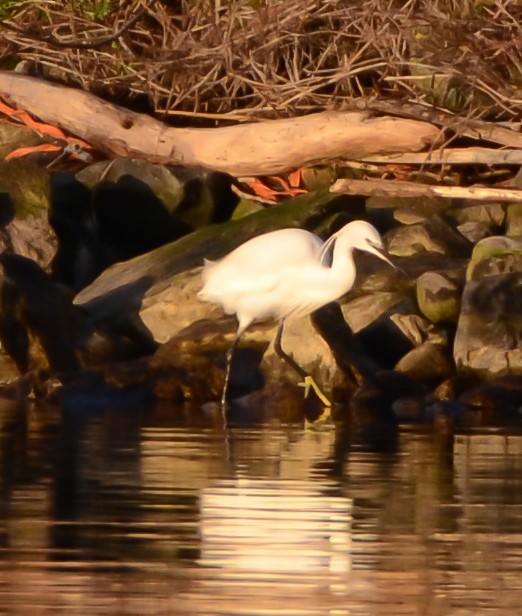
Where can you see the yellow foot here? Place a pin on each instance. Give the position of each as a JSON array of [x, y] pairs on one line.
[[309, 382]]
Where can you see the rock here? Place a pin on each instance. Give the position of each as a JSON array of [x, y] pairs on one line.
[[245, 207], [192, 197], [281, 402], [474, 231], [80, 255], [418, 329], [24, 206], [454, 386], [408, 217], [408, 408], [490, 214], [501, 395], [8, 370], [447, 414], [14, 136], [40, 328], [438, 297], [366, 309], [428, 363], [308, 348], [317, 178], [433, 235], [383, 341], [385, 211], [514, 219], [379, 345], [489, 329], [383, 389], [423, 207], [349, 354], [175, 374], [477, 220]]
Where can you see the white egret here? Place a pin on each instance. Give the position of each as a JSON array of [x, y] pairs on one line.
[[288, 272]]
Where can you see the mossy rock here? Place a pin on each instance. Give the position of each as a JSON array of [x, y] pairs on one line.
[[489, 330], [24, 211], [27, 188], [14, 136], [438, 297], [514, 219], [493, 256]]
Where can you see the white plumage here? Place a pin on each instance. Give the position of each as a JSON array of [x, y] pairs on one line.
[[288, 272]]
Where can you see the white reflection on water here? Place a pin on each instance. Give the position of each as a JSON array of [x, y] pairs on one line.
[[275, 526], [146, 514]]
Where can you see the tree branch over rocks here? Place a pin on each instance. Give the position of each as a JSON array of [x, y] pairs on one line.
[[258, 148]]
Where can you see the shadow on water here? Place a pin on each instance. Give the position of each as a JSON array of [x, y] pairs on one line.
[[159, 510]]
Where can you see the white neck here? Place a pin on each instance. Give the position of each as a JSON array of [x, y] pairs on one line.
[[342, 271]]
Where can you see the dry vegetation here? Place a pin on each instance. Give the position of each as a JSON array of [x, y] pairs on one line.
[[276, 58]]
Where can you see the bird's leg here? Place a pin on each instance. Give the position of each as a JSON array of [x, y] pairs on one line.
[[308, 380], [230, 355]]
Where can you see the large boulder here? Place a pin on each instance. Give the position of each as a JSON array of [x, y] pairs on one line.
[[489, 331]]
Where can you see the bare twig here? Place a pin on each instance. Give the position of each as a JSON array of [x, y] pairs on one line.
[[390, 188], [454, 156]]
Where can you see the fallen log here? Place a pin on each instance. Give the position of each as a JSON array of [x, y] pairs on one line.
[[392, 188], [262, 148]]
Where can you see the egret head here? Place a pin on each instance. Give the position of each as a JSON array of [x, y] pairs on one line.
[[366, 237], [360, 235]]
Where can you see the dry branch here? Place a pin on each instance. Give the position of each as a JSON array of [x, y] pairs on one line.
[[272, 146], [454, 156], [468, 127], [389, 188]]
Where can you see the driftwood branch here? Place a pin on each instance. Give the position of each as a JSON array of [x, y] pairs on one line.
[[390, 188], [263, 148], [453, 156], [476, 129]]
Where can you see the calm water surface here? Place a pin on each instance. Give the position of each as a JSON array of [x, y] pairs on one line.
[[162, 512]]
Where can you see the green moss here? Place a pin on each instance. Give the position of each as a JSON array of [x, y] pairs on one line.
[[493, 255], [9, 7], [97, 10], [27, 185]]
